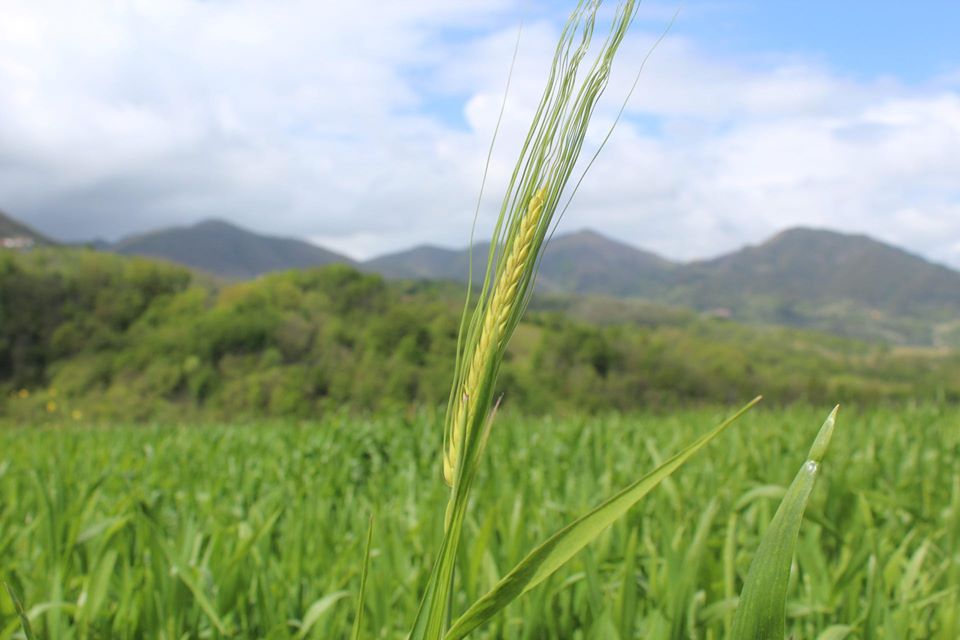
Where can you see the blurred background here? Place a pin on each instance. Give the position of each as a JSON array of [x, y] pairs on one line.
[[779, 195]]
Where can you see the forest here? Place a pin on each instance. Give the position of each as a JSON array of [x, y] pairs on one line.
[[92, 336]]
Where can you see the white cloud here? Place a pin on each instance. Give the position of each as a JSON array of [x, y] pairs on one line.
[[367, 129]]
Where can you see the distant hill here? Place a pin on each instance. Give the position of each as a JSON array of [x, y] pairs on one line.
[[809, 266], [425, 262], [226, 250], [586, 262], [845, 284], [581, 262], [14, 233], [823, 267], [850, 285]]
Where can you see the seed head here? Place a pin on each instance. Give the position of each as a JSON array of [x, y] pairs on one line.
[[519, 262]]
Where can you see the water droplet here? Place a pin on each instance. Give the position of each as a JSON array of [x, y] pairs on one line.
[[811, 466]]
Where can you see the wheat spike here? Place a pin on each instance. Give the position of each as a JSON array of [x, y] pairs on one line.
[[495, 319]]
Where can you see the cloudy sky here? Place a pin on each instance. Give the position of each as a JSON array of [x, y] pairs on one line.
[[365, 126]]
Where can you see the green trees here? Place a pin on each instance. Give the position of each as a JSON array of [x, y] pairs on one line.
[[115, 337]]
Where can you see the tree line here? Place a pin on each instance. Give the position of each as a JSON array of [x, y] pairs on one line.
[[88, 335]]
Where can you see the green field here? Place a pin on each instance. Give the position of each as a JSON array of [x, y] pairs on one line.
[[258, 530]]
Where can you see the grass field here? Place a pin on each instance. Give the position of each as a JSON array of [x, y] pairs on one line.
[[258, 530]]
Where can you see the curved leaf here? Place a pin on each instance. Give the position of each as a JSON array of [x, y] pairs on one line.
[[317, 609], [762, 611], [564, 544], [836, 632], [18, 606], [358, 620]]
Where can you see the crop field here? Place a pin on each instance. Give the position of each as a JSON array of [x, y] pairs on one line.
[[219, 531]]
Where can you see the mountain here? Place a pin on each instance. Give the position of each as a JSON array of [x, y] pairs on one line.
[[842, 283], [586, 262], [581, 262], [226, 250], [850, 285], [824, 267], [846, 284], [15, 234], [425, 262]]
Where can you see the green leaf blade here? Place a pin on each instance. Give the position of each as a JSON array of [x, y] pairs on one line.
[[761, 614], [361, 597], [563, 545], [317, 610], [205, 604], [836, 632], [21, 614]]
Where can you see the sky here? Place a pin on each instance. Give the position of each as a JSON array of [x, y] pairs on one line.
[[365, 127]]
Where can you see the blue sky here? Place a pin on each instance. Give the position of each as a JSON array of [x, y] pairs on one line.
[[366, 131], [912, 41]]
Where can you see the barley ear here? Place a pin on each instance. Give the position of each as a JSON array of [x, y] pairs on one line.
[[493, 335]]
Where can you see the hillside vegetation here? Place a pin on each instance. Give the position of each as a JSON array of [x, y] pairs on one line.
[[96, 335]]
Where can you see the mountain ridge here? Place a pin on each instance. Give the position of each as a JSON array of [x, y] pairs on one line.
[[878, 272], [11, 229], [847, 284], [227, 250]]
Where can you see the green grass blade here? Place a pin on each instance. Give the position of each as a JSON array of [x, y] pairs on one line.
[[317, 610], [628, 598], [358, 621], [201, 598], [95, 592], [836, 632], [761, 614], [564, 544], [24, 619]]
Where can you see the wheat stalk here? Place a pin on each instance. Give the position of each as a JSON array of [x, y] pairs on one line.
[[547, 158]]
